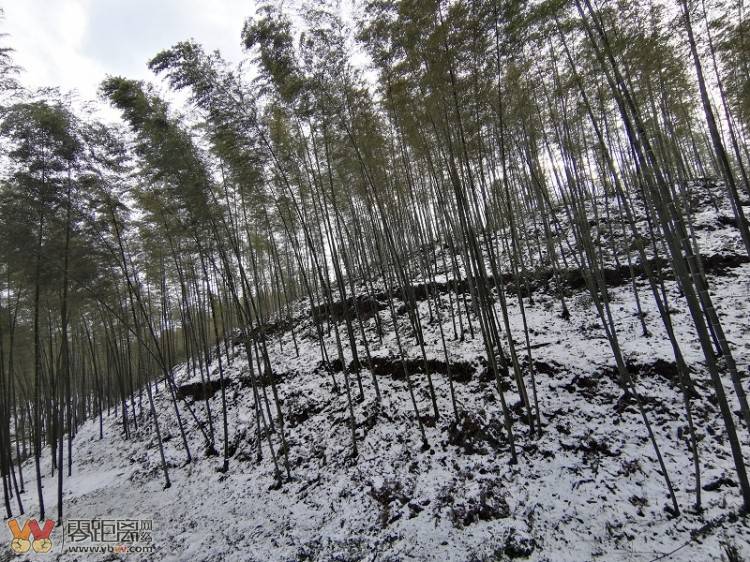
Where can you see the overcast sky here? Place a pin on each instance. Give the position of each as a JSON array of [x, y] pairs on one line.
[[74, 44]]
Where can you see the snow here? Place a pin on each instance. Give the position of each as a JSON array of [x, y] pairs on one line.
[[588, 489]]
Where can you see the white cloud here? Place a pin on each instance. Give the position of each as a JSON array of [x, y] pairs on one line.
[[74, 44]]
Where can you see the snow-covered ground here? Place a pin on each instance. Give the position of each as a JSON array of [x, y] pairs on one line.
[[588, 488]]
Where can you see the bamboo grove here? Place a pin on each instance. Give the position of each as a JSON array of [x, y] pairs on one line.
[[129, 249]]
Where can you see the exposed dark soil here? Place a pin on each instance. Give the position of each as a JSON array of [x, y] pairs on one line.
[[367, 305], [475, 436], [572, 279], [460, 371], [199, 390], [202, 391]]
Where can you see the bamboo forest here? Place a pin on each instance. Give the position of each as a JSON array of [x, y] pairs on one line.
[[451, 280]]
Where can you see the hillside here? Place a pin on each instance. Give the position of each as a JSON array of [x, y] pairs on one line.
[[588, 488], [385, 280]]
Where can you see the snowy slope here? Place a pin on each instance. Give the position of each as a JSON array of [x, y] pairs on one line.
[[588, 489]]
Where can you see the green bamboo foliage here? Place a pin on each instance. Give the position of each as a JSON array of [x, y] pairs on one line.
[[467, 162]]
